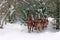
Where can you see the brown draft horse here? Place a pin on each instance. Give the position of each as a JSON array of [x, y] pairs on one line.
[[38, 23], [30, 23]]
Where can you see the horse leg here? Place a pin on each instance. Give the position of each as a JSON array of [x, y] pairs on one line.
[[41, 27], [38, 27], [32, 28], [29, 29]]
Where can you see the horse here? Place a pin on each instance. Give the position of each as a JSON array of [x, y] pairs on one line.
[[39, 22], [30, 25], [30, 22], [38, 25]]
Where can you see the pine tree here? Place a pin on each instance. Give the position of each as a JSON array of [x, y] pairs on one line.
[[34, 7]]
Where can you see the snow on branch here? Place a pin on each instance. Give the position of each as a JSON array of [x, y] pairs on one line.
[[2, 3], [11, 9]]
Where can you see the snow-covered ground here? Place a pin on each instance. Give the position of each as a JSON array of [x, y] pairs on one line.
[[17, 31]]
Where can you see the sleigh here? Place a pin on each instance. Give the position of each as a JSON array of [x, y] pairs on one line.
[[45, 23]]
